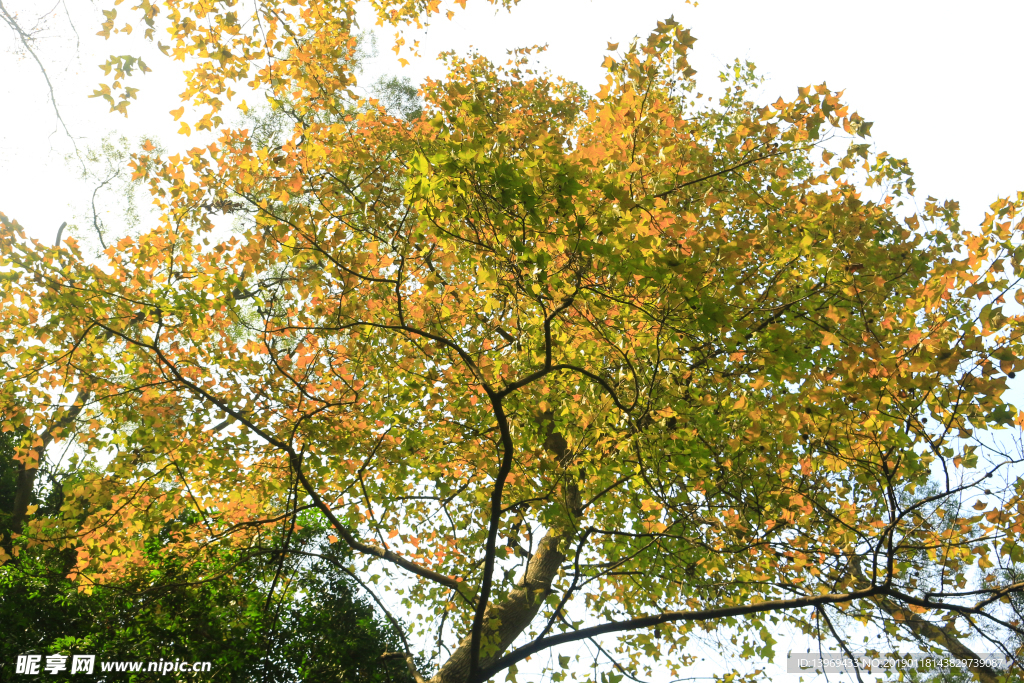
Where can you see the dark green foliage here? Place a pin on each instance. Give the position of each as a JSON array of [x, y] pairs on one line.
[[325, 632], [332, 635], [316, 628]]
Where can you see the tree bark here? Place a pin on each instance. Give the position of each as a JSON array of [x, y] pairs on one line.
[[504, 622], [28, 470]]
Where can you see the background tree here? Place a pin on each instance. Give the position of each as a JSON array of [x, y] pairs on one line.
[[227, 611], [574, 365]]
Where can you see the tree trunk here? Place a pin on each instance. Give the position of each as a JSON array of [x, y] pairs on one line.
[[504, 622], [28, 470]]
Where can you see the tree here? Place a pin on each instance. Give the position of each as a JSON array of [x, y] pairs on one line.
[[575, 365]]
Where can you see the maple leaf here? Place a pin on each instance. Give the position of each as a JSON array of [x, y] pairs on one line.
[[602, 335]]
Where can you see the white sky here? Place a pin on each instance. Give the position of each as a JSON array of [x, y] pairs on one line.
[[938, 78]]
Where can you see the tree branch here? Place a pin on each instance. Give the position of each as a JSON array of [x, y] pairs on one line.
[[26, 40]]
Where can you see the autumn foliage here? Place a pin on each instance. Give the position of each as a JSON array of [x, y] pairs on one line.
[[577, 364]]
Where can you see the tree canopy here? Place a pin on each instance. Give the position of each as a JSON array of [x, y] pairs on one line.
[[574, 365]]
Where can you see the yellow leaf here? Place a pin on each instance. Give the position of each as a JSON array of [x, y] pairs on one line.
[[184, 130], [176, 113]]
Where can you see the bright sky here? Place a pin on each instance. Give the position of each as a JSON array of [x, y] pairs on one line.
[[938, 78]]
